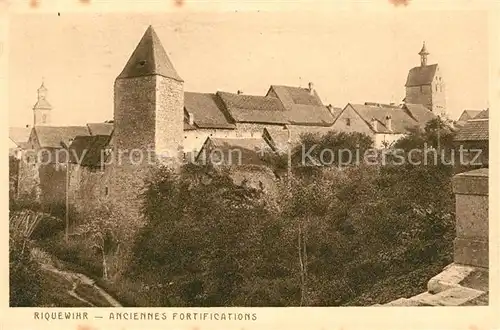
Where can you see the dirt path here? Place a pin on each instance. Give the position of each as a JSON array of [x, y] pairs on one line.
[[76, 285]]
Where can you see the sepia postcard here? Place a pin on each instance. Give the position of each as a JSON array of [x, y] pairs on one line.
[[250, 165]]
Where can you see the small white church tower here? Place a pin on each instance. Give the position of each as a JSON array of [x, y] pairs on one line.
[[42, 108]]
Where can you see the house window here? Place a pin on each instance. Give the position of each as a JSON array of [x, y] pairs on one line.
[[348, 121], [421, 89], [44, 119], [106, 191]]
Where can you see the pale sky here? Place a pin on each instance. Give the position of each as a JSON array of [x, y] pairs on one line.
[[351, 56]]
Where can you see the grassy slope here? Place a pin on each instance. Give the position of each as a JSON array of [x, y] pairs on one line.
[[395, 287]]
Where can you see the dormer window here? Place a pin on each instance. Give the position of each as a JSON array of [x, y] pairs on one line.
[[348, 121]]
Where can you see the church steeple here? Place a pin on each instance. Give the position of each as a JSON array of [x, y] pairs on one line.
[[42, 108], [423, 55], [425, 85], [42, 91]]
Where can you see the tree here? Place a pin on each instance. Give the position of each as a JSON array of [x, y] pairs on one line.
[[24, 273], [327, 238], [202, 237], [109, 233], [331, 149]]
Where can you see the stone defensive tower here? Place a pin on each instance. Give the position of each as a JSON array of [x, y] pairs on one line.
[[148, 119], [42, 108], [425, 85], [149, 101]]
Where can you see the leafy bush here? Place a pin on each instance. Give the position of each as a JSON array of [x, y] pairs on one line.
[[47, 228], [211, 231], [76, 252], [209, 242], [24, 273], [334, 236]]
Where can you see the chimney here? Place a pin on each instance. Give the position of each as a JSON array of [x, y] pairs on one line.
[[374, 124], [191, 118], [239, 92], [311, 88], [388, 122], [330, 108]]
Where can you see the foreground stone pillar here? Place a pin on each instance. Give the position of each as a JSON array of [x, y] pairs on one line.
[[471, 193]]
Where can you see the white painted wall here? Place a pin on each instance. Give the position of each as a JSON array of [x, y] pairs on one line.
[[387, 138]]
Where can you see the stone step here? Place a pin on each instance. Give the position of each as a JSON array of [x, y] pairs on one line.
[[403, 302], [456, 296], [449, 278]]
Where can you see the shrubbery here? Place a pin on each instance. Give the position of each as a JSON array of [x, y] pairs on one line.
[[334, 236], [24, 273], [325, 241]]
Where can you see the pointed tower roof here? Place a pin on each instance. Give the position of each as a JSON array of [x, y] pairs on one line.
[[423, 51], [42, 88], [149, 58], [42, 104]]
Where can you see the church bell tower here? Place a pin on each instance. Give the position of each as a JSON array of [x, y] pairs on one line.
[[42, 108], [425, 85]]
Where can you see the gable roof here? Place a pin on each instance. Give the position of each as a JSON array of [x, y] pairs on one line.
[[52, 136], [206, 111], [100, 128], [234, 151], [401, 121], [20, 135], [468, 114], [88, 150], [149, 58], [421, 75], [482, 115], [290, 95], [419, 112], [187, 126], [303, 108], [253, 109], [335, 111], [474, 130], [277, 138]]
